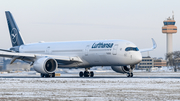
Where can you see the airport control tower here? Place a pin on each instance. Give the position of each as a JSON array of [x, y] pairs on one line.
[[169, 28]]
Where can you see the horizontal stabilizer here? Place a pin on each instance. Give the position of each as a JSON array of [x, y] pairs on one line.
[[6, 50]]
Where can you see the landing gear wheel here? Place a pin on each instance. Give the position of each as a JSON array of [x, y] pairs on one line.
[[131, 75], [81, 74], [86, 74], [128, 74], [53, 74], [46, 75], [91, 74], [42, 75]]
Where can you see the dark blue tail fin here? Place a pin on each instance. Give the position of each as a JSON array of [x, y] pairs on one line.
[[13, 30]]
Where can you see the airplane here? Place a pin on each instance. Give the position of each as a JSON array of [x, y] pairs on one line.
[[46, 57]]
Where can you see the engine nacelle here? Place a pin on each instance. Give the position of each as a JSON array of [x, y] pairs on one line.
[[120, 69], [45, 65]]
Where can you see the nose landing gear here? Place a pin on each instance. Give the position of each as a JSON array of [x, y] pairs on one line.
[[130, 74], [86, 73]]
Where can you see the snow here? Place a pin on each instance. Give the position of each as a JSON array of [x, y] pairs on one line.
[[166, 86]]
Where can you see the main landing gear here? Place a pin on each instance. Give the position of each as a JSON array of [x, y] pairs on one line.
[[130, 74], [86, 73], [48, 75]]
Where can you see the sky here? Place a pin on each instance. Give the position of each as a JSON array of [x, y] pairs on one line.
[[73, 20]]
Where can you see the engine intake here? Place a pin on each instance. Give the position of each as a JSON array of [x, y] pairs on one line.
[[45, 65], [120, 69]]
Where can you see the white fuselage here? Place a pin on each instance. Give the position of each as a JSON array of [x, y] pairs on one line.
[[92, 53]]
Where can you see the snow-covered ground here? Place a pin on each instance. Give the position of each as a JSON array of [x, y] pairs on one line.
[[141, 87]]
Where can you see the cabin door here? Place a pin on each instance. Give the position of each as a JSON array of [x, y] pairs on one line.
[[114, 52], [87, 50]]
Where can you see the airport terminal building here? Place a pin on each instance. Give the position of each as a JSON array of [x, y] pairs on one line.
[[149, 63]]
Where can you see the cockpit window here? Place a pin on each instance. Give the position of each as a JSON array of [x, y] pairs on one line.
[[131, 49]]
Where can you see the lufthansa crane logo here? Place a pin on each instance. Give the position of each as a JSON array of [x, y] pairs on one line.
[[14, 35]]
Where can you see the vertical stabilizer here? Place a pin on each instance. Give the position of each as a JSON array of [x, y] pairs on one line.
[[16, 38]]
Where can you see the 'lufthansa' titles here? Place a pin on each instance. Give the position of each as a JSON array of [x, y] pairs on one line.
[[102, 45]]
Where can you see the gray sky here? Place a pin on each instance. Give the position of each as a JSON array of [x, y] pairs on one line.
[[68, 20]]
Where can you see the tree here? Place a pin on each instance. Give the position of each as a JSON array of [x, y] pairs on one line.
[[173, 59]]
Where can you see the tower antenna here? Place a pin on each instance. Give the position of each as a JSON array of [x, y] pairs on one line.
[[173, 15]]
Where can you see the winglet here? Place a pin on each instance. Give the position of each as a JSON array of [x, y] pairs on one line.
[[154, 43], [149, 49]]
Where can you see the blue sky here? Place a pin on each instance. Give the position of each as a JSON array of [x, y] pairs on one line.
[[68, 20]]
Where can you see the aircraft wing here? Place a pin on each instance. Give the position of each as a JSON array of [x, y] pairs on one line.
[[33, 57], [20, 56], [149, 49]]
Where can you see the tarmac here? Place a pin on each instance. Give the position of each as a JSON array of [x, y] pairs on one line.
[[106, 86]]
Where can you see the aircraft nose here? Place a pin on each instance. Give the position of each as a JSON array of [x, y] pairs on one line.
[[138, 58]]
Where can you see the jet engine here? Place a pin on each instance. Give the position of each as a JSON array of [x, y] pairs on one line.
[[45, 65], [120, 69]]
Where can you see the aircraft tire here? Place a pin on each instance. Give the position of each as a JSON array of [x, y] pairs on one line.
[[91, 74], [50, 75], [81, 74], [131, 74], [53, 74], [128, 74], [42, 75], [86, 74], [47, 75]]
